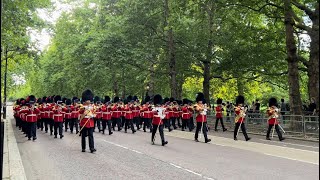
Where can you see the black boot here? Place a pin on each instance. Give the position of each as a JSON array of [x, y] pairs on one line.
[[61, 136], [93, 150], [164, 143], [207, 140]]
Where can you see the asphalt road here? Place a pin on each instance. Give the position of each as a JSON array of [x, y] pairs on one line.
[[131, 156]]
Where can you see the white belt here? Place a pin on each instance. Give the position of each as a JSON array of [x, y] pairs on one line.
[[31, 115], [106, 113], [57, 115], [68, 113]]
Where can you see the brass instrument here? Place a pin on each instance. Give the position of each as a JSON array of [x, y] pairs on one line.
[[242, 113]]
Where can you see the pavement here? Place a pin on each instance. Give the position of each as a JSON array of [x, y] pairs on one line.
[[131, 156]]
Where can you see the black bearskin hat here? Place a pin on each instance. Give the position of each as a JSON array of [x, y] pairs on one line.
[[74, 98], [39, 101], [32, 98], [44, 99], [219, 101], [273, 102], [17, 101], [166, 100], [171, 99], [116, 99], [22, 101], [147, 99], [96, 99], [135, 98], [68, 102], [87, 95], [185, 101], [129, 98], [157, 99], [57, 98], [179, 102], [106, 99], [239, 100], [200, 97], [64, 99]]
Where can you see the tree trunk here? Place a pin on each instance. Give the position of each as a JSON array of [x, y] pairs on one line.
[[171, 52], [151, 81], [123, 84], [115, 85], [313, 64], [209, 53], [292, 58], [240, 87]]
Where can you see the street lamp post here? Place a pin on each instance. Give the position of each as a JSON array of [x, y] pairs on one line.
[[5, 86]]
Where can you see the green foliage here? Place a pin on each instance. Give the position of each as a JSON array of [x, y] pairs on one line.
[[119, 47]]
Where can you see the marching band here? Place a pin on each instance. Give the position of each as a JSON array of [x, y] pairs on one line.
[[85, 114]]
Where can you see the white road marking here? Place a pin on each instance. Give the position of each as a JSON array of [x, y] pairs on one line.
[[290, 143], [174, 165], [290, 158]]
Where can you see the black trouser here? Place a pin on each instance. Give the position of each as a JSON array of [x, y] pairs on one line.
[[154, 130], [136, 120], [97, 122], [277, 130], [104, 125], [18, 122], [116, 121], [179, 123], [49, 122], [191, 124], [166, 123], [32, 129], [147, 123], [184, 124], [129, 122], [217, 121], [173, 122], [74, 123], [66, 123], [56, 126], [243, 129], [87, 131], [24, 127], [202, 126]]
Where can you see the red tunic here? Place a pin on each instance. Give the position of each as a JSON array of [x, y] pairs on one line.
[[87, 121], [116, 111], [74, 112], [237, 111], [31, 115], [68, 111], [128, 113], [106, 113], [156, 120], [147, 113], [57, 115], [186, 115], [219, 110], [272, 117]]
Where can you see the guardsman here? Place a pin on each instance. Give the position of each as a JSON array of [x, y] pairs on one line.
[[97, 113], [273, 115], [129, 116], [31, 117], [201, 118], [116, 114], [49, 115], [74, 115], [106, 115], [16, 109], [186, 115], [86, 120], [158, 116], [39, 121], [67, 112], [136, 113], [219, 115], [58, 116], [240, 112], [23, 116], [147, 114]]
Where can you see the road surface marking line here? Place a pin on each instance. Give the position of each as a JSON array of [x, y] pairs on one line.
[[290, 144], [174, 165], [290, 158]]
